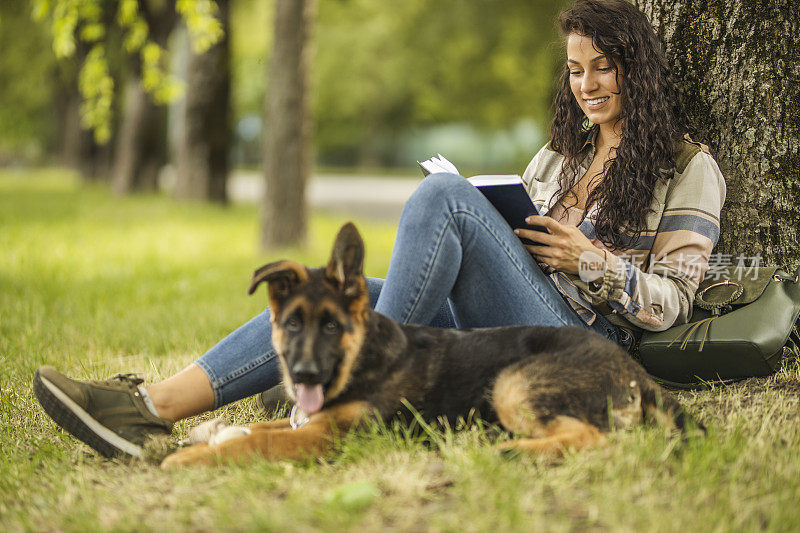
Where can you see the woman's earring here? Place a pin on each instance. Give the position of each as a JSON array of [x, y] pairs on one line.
[[587, 124]]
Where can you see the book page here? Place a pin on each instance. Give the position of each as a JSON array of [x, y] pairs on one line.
[[495, 179], [438, 163]]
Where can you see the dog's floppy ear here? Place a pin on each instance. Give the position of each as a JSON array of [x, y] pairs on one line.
[[347, 260], [282, 277]]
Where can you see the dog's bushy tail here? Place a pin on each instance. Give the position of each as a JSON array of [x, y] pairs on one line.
[[662, 408]]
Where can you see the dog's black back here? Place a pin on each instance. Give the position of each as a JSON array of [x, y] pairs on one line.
[[448, 373]]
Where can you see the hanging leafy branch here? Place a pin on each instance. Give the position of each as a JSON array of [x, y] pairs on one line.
[[88, 21]]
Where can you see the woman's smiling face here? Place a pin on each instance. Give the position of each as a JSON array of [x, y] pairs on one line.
[[594, 79]]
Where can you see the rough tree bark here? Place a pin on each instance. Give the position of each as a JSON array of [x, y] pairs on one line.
[[738, 63], [141, 148], [202, 152], [287, 157]]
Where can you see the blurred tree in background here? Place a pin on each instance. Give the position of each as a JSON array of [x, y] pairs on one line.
[[205, 133], [78, 146], [386, 77], [111, 43], [384, 81], [287, 154], [141, 140]]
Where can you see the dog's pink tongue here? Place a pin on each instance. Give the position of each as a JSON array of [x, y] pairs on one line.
[[309, 397]]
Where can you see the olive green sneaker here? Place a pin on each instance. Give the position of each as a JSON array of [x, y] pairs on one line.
[[110, 416], [273, 400]]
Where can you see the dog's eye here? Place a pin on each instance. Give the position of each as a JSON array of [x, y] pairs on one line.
[[331, 327], [292, 324]]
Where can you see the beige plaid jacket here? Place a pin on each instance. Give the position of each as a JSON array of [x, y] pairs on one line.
[[651, 283]]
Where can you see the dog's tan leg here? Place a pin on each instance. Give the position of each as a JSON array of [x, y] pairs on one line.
[[560, 434], [520, 413], [314, 439], [271, 424]]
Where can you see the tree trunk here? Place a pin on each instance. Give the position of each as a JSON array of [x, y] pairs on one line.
[[77, 148], [141, 142], [287, 152], [202, 152], [141, 148], [738, 63]]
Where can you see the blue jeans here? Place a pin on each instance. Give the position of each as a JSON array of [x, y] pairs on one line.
[[455, 263]]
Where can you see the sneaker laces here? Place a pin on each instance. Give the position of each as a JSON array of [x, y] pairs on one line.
[[131, 378]]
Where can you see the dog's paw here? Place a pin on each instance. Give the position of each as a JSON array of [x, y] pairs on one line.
[[199, 454], [229, 433], [213, 432], [203, 433]]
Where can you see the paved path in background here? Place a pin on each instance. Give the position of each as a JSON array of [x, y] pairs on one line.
[[376, 197]]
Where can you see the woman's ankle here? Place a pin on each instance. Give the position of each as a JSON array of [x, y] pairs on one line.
[[185, 394]]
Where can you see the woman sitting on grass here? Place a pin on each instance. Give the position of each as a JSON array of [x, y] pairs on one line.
[[618, 183]]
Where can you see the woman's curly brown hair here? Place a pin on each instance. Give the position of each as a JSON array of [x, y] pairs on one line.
[[652, 113]]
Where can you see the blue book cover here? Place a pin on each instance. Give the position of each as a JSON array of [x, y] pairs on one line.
[[508, 195]]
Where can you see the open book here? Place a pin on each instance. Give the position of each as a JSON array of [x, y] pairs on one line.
[[505, 192]]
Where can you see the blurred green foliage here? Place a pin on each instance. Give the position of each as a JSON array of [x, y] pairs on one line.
[[251, 41], [385, 71], [418, 62], [385, 74], [74, 22], [28, 73], [199, 16]]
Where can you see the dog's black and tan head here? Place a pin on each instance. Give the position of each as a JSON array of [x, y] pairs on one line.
[[319, 318]]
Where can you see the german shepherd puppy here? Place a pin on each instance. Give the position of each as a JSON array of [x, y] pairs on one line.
[[554, 388]]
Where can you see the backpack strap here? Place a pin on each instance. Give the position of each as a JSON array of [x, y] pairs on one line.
[[685, 150]]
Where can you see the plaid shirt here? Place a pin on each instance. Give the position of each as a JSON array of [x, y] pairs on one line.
[[651, 283]]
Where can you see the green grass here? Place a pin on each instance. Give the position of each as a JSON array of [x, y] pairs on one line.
[[95, 285]]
